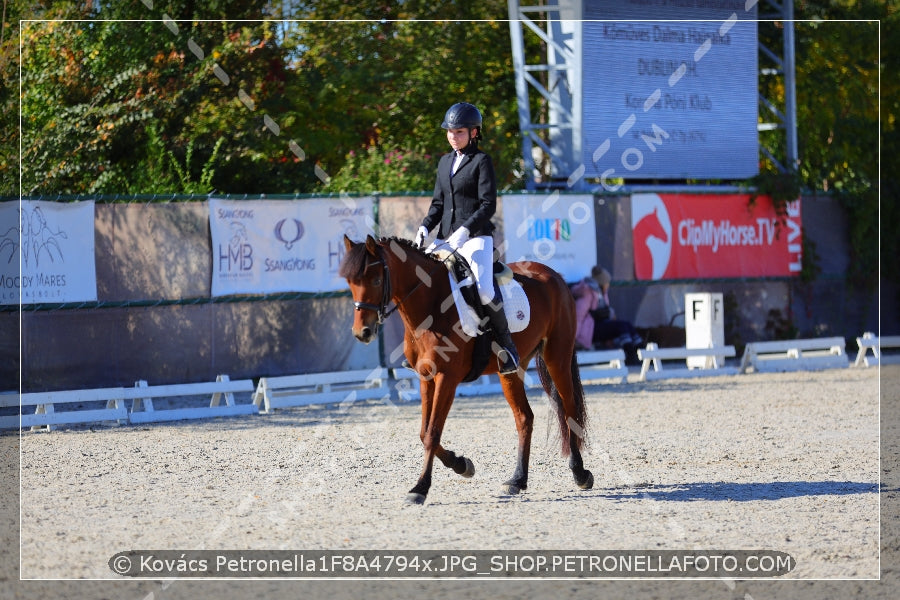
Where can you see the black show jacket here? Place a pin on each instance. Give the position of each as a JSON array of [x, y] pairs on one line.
[[466, 199]]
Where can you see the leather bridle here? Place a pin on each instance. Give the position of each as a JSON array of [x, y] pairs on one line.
[[379, 309]]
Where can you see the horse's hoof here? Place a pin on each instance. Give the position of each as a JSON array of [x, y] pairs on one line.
[[511, 489], [588, 482], [470, 469], [414, 498]]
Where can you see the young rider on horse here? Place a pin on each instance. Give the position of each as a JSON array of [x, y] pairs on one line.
[[465, 200]]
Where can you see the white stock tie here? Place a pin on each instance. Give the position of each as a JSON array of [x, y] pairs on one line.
[[456, 161]]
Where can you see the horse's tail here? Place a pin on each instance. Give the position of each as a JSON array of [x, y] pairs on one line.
[[579, 426]]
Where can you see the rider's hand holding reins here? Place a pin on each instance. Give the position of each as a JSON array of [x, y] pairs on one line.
[[458, 238], [419, 240]]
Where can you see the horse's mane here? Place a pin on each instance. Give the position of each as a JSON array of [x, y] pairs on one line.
[[409, 245], [354, 261]]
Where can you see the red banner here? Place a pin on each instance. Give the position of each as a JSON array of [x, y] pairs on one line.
[[687, 236]]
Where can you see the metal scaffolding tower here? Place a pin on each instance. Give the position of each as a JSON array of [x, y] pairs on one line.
[[782, 14], [551, 139], [550, 93]]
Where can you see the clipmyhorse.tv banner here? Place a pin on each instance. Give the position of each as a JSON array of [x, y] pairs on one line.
[[271, 246], [53, 242], [685, 236]]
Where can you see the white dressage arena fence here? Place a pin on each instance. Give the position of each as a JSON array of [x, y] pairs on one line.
[[407, 385], [320, 388], [105, 404], [142, 395], [594, 366], [602, 365], [870, 341], [46, 410], [794, 355], [110, 404], [652, 358]]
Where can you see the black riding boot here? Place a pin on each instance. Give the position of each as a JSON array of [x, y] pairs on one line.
[[507, 356]]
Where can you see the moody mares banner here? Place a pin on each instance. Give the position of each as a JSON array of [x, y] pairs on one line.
[[685, 236], [554, 229], [272, 246], [53, 242]]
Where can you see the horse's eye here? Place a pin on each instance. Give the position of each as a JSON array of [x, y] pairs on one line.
[[376, 281]]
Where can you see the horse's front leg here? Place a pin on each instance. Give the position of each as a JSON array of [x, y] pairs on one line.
[[457, 462], [437, 398]]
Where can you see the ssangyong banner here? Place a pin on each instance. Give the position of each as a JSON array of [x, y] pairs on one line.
[[53, 242], [554, 229], [685, 236], [272, 246]]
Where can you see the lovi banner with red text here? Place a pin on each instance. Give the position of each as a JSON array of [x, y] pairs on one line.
[[687, 236]]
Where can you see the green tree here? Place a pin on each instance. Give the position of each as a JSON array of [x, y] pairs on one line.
[[13, 13], [92, 90], [838, 76], [890, 142], [389, 80], [373, 170], [295, 100]]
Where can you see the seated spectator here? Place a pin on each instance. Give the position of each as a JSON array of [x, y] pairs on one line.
[[587, 293], [597, 325]]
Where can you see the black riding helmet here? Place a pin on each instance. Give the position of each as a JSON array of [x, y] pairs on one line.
[[463, 115]]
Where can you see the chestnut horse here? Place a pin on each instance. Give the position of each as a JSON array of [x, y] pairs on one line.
[[395, 270]]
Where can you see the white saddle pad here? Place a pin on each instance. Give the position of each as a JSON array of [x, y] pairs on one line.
[[515, 305]]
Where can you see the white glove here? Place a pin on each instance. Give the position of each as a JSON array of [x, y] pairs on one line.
[[458, 238], [419, 240]]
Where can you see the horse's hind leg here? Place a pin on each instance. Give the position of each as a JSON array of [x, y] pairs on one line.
[[514, 390], [568, 396], [583, 478]]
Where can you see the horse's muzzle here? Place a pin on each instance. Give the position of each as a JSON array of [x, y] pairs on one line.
[[365, 334]]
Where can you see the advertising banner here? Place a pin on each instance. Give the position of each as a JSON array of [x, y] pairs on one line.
[[53, 243], [684, 236], [272, 246], [554, 229]]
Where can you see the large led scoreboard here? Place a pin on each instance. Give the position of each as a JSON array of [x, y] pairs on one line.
[[646, 89], [670, 89]]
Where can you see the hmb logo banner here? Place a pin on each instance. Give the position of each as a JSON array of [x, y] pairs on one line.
[[685, 236], [47, 252], [272, 246]]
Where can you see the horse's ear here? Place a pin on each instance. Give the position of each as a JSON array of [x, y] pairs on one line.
[[371, 244], [348, 243]]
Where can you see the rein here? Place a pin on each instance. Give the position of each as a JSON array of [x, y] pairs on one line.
[[381, 310]]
